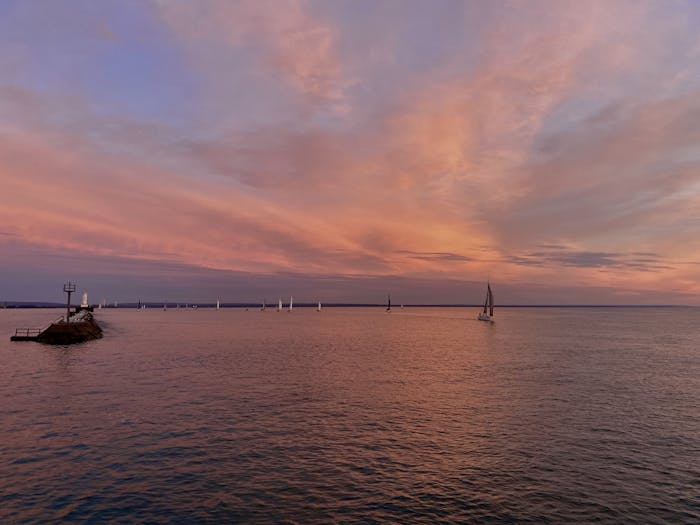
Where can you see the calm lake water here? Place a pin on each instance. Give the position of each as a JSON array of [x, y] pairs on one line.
[[424, 415]]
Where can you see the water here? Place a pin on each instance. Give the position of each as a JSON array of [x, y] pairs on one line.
[[355, 415]]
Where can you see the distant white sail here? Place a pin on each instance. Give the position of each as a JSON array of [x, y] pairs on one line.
[[84, 303], [279, 306], [263, 306], [218, 305], [291, 303], [319, 306]]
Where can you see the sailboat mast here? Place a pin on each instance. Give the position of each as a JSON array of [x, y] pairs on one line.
[[490, 299]]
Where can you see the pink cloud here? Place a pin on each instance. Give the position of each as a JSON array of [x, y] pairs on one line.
[[297, 46]]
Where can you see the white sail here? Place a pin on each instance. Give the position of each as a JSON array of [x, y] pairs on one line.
[[84, 303], [263, 306], [279, 306], [291, 303], [218, 305], [319, 306]]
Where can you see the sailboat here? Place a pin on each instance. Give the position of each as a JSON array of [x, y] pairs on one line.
[[279, 306], [388, 303], [487, 313], [218, 304], [319, 307], [291, 303], [263, 306]]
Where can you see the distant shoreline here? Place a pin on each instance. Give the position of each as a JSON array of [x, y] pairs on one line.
[[159, 305]]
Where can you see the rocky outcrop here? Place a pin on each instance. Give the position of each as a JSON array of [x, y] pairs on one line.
[[63, 333], [81, 327]]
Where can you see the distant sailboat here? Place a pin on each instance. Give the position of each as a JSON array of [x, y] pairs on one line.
[[319, 307], [388, 302], [487, 313], [279, 306], [291, 303], [139, 305], [218, 304], [263, 306], [165, 307]]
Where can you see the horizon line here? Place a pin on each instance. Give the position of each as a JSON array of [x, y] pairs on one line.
[[272, 306]]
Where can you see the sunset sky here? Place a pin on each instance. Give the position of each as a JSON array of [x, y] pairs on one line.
[[184, 151]]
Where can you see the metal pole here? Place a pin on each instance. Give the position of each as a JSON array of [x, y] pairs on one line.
[[69, 288]]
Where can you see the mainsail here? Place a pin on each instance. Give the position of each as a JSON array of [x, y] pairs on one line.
[[488, 302], [388, 302]]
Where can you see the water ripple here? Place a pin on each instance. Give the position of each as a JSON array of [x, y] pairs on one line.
[[549, 416]]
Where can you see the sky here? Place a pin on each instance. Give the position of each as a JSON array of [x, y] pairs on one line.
[[339, 150]]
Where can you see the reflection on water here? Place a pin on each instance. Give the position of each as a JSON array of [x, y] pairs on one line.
[[421, 415]]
